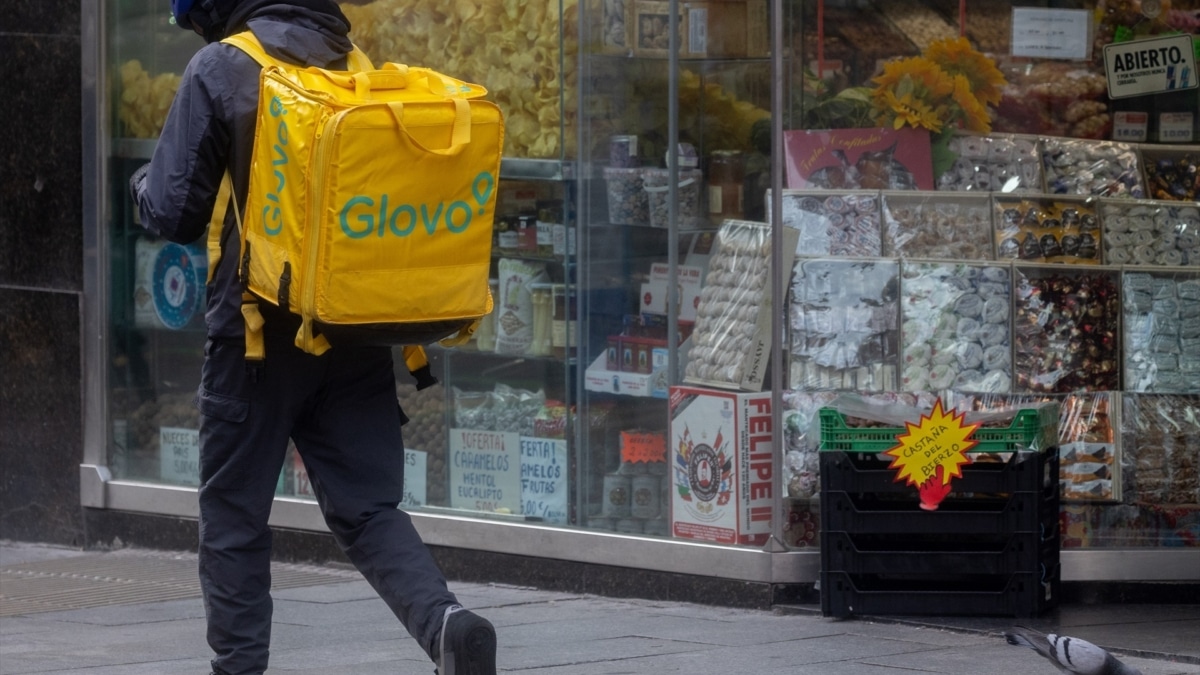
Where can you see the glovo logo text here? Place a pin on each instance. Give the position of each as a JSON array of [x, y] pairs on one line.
[[361, 216], [272, 211]]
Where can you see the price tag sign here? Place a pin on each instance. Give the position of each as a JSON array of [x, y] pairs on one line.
[[932, 452], [1130, 127], [1176, 127], [1050, 33]]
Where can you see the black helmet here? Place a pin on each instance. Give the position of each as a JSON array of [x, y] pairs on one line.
[[207, 17]]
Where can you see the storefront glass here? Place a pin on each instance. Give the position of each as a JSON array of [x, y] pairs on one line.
[[1056, 176]]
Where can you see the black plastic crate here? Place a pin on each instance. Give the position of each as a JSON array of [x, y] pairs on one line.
[[1023, 594], [938, 556], [868, 472], [1015, 512]]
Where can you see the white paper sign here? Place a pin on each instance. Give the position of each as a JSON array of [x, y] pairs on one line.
[[179, 455], [544, 479], [1176, 127], [1130, 126], [1151, 66], [415, 462], [485, 470], [1050, 33]]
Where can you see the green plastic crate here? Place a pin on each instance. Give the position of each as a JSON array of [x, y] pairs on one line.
[[1031, 429]]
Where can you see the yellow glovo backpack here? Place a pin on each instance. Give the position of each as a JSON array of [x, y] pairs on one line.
[[370, 206]]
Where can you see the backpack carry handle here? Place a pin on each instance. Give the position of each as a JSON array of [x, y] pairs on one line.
[[460, 134]]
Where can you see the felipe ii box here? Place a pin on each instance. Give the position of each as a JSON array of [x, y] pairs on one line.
[[722, 465]]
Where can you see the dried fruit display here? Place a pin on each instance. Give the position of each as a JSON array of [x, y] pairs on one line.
[[145, 100], [508, 46]]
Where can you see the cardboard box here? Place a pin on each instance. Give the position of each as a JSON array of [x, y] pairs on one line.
[[722, 465], [707, 30], [654, 384], [654, 292]]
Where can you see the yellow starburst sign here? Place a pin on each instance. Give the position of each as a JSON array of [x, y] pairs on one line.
[[939, 441]]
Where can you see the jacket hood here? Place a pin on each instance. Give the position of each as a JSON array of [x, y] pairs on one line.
[[301, 31]]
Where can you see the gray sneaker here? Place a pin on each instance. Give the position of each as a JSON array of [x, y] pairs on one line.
[[467, 645]]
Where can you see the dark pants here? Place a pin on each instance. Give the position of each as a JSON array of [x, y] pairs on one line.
[[341, 410]]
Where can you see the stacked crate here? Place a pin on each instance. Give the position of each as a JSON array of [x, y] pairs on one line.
[[990, 548]]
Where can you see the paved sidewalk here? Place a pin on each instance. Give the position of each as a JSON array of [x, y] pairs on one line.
[[328, 621]]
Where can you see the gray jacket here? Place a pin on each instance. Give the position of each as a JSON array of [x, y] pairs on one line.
[[210, 128]]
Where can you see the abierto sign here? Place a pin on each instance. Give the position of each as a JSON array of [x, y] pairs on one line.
[[1153, 66]]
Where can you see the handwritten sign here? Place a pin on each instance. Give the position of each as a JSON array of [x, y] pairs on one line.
[[485, 470], [179, 455], [1152, 66], [643, 446], [932, 452], [1050, 33], [415, 463], [544, 479]]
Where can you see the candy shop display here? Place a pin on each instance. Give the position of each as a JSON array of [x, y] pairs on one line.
[[728, 313], [1032, 229], [1160, 435], [1172, 173], [956, 327], [844, 324], [1162, 332], [1089, 444], [834, 223], [998, 163], [941, 226], [1089, 467], [1066, 325], [1098, 168], [1147, 232], [802, 440]]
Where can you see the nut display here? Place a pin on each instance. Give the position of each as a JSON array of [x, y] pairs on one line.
[[928, 225], [921, 24], [834, 223], [844, 323], [1047, 230], [1103, 169], [426, 431], [728, 313], [628, 201], [956, 327], [1151, 233], [1066, 330], [1054, 98], [997, 163], [1162, 332]]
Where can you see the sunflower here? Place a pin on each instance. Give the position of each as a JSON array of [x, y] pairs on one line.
[[956, 57], [908, 110], [912, 91], [974, 114]]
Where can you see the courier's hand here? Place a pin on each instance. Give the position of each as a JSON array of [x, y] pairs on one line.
[[137, 182]]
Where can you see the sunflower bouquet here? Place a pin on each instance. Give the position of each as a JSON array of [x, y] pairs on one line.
[[949, 86]]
